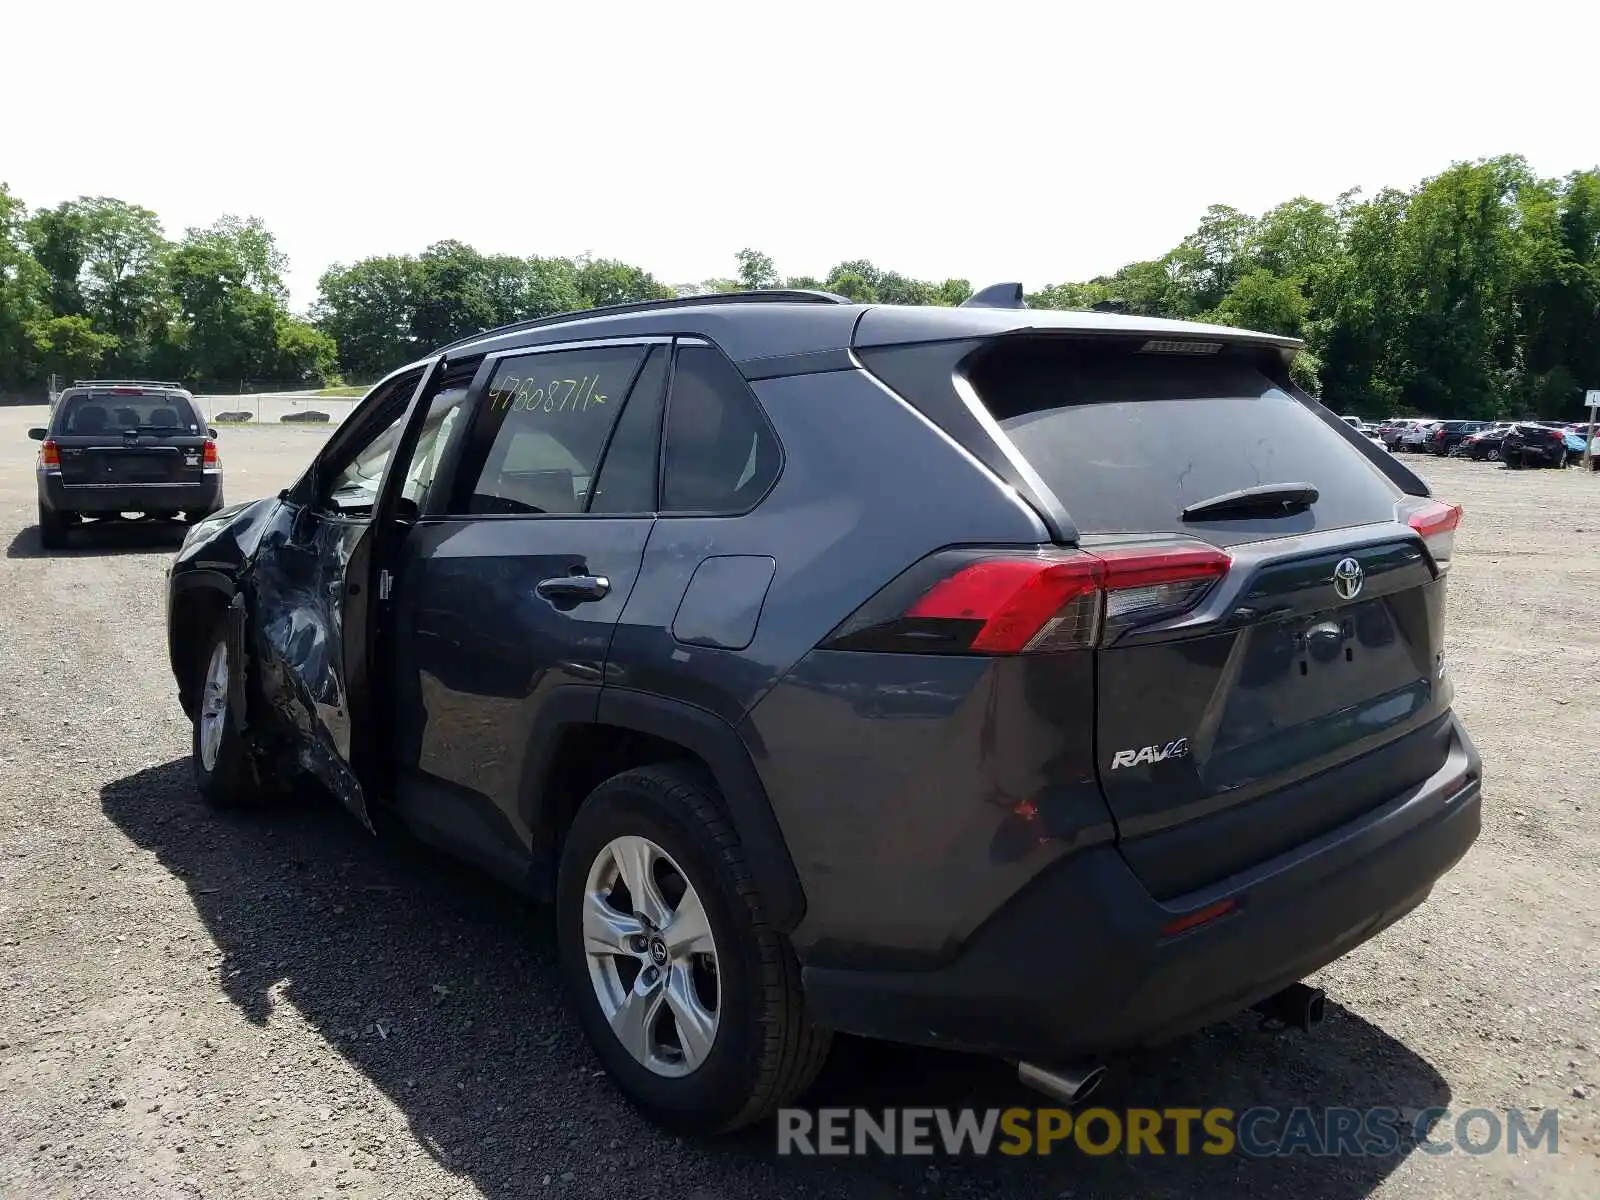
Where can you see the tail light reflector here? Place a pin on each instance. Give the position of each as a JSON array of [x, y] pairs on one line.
[[1201, 916], [50, 455], [1436, 524], [1020, 602], [212, 458]]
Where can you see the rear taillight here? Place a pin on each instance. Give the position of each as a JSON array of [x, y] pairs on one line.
[[1436, 524], [50, 455], [1000, 602], [212, 458]]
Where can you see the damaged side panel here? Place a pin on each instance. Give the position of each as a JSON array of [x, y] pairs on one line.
[[297, 584]]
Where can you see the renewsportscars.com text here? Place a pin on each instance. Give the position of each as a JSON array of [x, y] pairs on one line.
[[1260, 1132]]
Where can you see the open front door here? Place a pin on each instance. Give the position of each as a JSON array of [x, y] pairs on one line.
[[316, 579]]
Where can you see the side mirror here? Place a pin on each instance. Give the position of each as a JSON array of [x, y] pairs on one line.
[[37, 434], [406, 510], [211, 432]]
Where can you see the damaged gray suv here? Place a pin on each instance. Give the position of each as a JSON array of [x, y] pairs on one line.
[[825, 662]]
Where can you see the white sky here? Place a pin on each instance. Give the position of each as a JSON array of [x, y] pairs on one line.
[[990, 141]]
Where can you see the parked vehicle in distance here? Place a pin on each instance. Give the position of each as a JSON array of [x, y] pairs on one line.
[[1414, 439], [859, 668], [114, 447], [1395, 428], [1486, 444], [1389, 430], [1530, 445], [1447, 436], [1356, 421]]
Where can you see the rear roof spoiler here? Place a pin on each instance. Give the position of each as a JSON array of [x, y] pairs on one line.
[[996, 295], [152, 383]]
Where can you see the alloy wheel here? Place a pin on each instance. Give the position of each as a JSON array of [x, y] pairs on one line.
[[651, 955], [214, 706]]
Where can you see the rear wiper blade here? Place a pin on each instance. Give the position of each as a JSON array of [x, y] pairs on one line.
[[1266, 499]]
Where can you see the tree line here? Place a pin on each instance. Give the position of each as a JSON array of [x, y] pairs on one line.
[[1475, 293]]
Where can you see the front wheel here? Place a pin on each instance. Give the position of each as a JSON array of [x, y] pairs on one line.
[[691, 1001], [1494, 455], [221, 761]]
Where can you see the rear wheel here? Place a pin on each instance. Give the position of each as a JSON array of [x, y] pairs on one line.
[[221, 761], [690, 999], [52, 529]]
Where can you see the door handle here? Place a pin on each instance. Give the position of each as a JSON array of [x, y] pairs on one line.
[[574, 589]]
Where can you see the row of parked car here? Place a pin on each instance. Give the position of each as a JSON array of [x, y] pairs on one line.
[[1516, 443]]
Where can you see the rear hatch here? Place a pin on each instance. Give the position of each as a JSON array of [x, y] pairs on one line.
[[1269, 661], [129, 436]]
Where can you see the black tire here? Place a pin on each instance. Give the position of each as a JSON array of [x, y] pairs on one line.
[[230, 781], [1494, 455], [766, 1051], [52, 529]]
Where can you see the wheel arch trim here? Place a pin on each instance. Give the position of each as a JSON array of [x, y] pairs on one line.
[[719, 746]]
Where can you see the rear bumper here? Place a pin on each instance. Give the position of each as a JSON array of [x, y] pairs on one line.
[[99, 499], [1077, 965]]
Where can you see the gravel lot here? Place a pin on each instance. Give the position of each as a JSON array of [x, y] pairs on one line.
[[193, 1005]]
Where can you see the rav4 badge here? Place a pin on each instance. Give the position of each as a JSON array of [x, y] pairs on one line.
[[1150, 754]]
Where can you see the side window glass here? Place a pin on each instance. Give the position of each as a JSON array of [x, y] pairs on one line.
[[444, 414], [350, 485], [627, 479], [541, 429], [353, 492], [721, 455]]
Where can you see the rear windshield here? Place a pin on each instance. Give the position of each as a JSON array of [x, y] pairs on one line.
[[1128, 441], [108, 412]]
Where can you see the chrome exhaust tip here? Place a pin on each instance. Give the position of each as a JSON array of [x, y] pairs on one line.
[[1068, 1084]]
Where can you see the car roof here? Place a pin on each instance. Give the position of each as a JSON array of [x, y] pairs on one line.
[[144, 386], [750, 326]]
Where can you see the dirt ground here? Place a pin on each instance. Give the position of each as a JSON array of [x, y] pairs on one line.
[[278, 1005]]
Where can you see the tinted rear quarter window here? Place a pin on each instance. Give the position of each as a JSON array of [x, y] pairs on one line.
[[1127, 441], [721, 455]]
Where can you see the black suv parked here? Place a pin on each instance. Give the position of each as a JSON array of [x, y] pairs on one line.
[[1530, 445], [124, 446], [954, 676]]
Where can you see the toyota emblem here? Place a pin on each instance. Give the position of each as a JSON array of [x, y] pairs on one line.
[[1347, 578]]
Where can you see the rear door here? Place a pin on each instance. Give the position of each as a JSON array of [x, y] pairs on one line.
[[125, 436], [1305, 684], [508, 586]]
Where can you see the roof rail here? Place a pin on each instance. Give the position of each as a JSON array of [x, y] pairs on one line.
[[764, 295], [162, 383]]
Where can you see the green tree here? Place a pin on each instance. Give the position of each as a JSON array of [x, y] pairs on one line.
[[70, 347], [367, 308], [23, 284], [231, 328], [302, 353], [852, 286], [601, 281], [123, 286], [1263, 301], [756, 270]]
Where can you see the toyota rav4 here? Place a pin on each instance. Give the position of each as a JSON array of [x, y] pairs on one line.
[[957, 676]]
